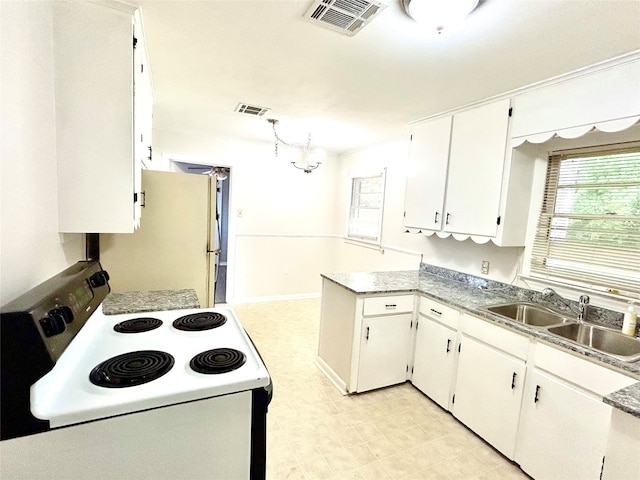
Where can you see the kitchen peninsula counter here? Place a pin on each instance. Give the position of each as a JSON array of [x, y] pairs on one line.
[[472, 294], [156, 300]]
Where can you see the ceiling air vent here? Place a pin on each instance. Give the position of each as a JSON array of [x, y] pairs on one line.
[[251, 109], [344, 16]]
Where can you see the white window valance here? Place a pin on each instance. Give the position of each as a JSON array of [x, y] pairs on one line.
[[610, 126]]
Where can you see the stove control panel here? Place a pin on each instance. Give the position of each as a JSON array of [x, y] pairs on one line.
[[99, 279], [53, 324], [36, 328], [56, 321]]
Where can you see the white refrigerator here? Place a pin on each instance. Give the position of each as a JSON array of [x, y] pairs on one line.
[[176, 245]]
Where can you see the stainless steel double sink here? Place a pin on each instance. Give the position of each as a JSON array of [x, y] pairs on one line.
[[603, 339]]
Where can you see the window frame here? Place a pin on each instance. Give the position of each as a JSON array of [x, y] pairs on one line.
[[580, 276], [377, 240]]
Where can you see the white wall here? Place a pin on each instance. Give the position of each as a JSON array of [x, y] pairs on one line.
[[292, 224], [31, 250], [285, 238]]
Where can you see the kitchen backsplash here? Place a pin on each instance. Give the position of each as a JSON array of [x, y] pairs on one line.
[[594, 313]]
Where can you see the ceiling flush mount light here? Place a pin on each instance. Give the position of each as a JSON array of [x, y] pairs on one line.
[[306, 158], [439, 14]]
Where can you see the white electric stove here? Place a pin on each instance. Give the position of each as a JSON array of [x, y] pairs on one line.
[[165, 394]]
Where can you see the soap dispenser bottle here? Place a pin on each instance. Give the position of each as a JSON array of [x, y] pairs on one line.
[[629, 321]]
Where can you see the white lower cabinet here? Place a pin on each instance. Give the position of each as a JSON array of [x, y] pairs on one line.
[[384, 346], [564, 423], [365, 341], [622, 457], [488, 393], [564, 430], [536, 404], [435, 356]]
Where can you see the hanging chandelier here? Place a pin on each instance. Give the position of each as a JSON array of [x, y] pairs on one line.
[[306, 159]]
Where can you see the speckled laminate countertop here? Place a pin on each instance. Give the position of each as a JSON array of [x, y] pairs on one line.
[[627, 399], [473, 296], [157, 300]]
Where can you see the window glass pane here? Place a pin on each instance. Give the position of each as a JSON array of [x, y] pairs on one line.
[[589, 226], [366, 207]]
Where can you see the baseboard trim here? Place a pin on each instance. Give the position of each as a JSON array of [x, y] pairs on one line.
[[331, 375], [277, 298]]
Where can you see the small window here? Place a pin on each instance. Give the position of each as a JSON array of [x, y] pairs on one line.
[[589, 227], [365, 212]]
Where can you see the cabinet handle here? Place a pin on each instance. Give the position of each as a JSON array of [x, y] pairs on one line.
[[435, 220], [390, 305], [367, 337], [448, 345], [537, 396], [513, 381], [143, 194], [446, 222], [150, 152], [435, 311]]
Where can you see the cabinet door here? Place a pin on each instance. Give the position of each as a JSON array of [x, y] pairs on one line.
[[434, 360], [476, 163], [488, 393], [563, 430], [143, 110], [622, 458], [93, 56], [427, 174], [383, 351]]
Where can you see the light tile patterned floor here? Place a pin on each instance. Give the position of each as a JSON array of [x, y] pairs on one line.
[[314, 432]]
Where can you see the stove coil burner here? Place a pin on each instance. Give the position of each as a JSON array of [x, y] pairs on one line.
[[131, 369], [218, 360], [200, 321], [137, 325]]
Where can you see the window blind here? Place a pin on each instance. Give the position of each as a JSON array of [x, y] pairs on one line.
[[366, 207], [589, 226]]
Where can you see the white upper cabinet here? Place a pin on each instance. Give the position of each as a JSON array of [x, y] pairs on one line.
[[478, 147], [459, 174], [98, 167], [427, 174], [143, 113]]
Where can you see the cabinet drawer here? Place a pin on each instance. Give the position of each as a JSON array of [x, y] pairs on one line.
[[498, 337], [388, 305], [442, 313], [595, 378]]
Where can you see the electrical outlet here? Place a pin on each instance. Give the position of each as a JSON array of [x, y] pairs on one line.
[[240, 213], [485, 267]]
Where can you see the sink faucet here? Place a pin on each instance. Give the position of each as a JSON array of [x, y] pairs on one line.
[[582, 307], [583, 302]]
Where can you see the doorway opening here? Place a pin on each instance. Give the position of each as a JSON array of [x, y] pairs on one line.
[[218, 246]]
